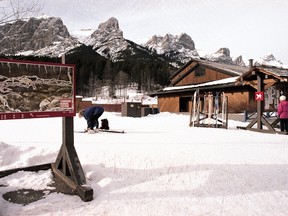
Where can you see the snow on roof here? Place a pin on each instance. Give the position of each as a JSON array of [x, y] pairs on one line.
[[277, 71], [215, 82], [231, 68], [235, 70]]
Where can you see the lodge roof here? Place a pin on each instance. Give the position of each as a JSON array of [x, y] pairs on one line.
[[278, 73], [238, 72], [223, 83], [235, 70]]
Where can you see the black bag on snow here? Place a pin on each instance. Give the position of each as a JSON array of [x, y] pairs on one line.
[[104, 124]]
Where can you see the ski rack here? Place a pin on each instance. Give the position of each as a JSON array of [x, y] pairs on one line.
[[206, 110]]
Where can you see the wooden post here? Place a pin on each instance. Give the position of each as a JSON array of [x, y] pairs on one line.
[[260, 103], [67, 166]]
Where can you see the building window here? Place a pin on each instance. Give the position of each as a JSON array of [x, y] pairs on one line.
[[199, 71]]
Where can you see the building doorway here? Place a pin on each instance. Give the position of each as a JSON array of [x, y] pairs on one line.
[[184, 104]]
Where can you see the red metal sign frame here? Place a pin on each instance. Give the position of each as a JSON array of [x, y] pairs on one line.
[[30, 89]]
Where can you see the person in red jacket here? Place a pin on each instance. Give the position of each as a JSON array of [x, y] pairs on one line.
[[283, 113]]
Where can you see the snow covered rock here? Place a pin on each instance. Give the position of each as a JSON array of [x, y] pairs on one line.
[[40, 37], [108, 39], [222, 56], [269, 60], [239, 61], [180, 47]]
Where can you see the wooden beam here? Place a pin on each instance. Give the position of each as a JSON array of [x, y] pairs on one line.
[[251, 83], [30, 168], [83, 191]]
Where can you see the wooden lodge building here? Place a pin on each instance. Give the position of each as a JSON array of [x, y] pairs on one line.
[[237, 82]]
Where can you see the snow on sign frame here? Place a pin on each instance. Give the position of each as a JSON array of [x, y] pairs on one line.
[[36, 90]]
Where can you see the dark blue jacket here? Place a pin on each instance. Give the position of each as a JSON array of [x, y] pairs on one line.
[[92, 114]]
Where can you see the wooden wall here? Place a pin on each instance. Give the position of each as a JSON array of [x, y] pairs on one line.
[[210, 75], [107, 107], [183, 72], [82, 104], [237, 102], [168, 104]]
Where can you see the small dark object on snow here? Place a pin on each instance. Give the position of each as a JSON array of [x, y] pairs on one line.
[[104, 124], [25, 196]]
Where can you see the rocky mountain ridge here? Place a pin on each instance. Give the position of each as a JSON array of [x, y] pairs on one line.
[[180, 47], [108, 40], [50, 37], [44, 36], [269, 60]]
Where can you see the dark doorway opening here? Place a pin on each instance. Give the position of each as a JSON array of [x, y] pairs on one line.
[[184, 104]]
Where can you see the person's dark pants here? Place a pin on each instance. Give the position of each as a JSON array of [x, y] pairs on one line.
[[284, 125], [95, 119]]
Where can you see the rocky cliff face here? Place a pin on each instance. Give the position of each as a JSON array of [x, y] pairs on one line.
[[36, 37], [222, 56], [180, 47], [269, 60], [108, 40], [239, 61]]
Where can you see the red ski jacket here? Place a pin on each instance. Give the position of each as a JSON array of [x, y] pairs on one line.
[[283, 109]]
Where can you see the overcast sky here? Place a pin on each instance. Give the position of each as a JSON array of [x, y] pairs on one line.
[[251, 28]]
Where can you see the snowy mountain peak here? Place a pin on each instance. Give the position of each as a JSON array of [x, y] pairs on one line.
[[44, 36], [223, 52], [269, 60], [111, 26], [269, 57], [222, 56], [180, 47], [239, 61], [186, 41], [108, 39], [170, 43]]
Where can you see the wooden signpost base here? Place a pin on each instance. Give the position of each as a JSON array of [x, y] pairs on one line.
[[67, 166]]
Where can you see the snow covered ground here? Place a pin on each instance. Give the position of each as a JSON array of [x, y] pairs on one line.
[[160, 166]]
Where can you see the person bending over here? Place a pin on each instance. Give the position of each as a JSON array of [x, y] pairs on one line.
[[91, 115]]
